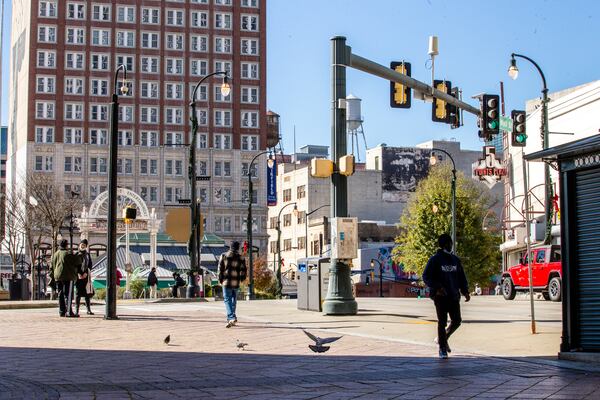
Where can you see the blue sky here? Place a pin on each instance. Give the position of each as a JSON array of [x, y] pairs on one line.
[[475, 42]]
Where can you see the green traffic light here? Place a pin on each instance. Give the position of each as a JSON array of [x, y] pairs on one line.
[[493, 124], [521, 138]]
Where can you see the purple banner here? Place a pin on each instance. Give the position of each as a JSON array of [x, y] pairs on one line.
[[272, 184]]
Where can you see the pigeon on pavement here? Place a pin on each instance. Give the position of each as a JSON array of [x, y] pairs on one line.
[[241, 345], [167, 339], [319, 342]]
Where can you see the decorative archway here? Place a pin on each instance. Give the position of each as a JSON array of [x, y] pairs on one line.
[[96, 218]]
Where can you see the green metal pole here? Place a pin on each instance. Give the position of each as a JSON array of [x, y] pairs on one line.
[[339, 300], [278, 273], [453, 211], [547, 183]]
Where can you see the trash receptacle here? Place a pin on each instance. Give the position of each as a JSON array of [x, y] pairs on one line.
[[18, 288], [312, 280]]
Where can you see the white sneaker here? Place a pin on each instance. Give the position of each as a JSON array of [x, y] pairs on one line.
[[437, 341], [230, 324]]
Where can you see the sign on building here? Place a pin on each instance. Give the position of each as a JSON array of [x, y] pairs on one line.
[[489, 169], [272, 184]]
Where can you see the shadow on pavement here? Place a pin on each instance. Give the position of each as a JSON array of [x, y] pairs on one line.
[[52, 373]]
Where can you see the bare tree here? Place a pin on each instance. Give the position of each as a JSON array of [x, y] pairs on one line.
[[51, 204], [14, 223]]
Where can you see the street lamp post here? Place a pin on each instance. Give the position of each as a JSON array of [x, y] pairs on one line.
[[373, 261], [249, 223], [513, 72], [192, 290], [279, 286], [433, 160], [306, 228], [111, 255], [71, 227]]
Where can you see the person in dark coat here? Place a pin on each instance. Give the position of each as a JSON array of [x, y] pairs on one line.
[[179, 282], [84, 285], [446, 279], [152, 283], [232, 272], [64, 272]]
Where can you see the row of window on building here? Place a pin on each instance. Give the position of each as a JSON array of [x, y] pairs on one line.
[[147, 114], [148, 64], [99, 137], [101, 37], [75, 86], [171, 194], [147, 167], [77, 10], [126, 14], [300, 193], [286, 245]]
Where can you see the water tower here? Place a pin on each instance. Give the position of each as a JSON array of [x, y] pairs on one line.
[[354, 123]]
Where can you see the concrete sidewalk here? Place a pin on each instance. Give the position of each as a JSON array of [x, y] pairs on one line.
[[45, 356], [491, 326]]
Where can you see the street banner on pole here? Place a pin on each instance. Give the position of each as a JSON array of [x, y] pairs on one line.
[[272, 184]]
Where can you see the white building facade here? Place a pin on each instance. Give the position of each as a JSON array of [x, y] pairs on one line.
[[572, 115]]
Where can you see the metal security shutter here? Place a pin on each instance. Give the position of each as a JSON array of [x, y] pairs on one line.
[[587, 220]]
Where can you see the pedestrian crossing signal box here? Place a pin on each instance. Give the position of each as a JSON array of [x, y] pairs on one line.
[[321, 168]]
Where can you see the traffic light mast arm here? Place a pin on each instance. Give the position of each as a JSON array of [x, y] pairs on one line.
[[370, 67]]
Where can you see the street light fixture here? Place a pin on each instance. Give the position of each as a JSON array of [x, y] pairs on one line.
[[279, 286], [270, 163], [194, 243], [373, 261], [306, 228], [513, 71], [111, 233], [433, 160]]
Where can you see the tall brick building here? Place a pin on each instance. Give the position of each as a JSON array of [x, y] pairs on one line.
[[64, 57]]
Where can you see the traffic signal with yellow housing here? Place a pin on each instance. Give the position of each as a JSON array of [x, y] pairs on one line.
[[129, 213], [321, 167], [346, 165], [400, 95], [518, 134], [440, 111]]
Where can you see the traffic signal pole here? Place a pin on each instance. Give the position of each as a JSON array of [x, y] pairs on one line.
[[339, 300]]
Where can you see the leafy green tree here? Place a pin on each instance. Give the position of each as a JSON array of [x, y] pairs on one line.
[[429, 214]]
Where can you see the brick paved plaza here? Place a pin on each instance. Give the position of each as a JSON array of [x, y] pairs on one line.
[[43, 356]]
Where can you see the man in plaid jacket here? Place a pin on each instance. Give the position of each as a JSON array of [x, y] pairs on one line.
[[232, 272]]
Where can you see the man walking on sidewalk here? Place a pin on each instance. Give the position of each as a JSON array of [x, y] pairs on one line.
[[446, 279], [64, 272], [232, 272]]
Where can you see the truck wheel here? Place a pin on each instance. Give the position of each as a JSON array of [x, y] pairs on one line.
[[508, 289], [555, 289], [546, 295]]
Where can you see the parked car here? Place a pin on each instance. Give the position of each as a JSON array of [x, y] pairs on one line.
[[546, 274]]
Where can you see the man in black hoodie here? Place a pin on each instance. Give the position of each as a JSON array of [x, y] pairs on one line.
[[446, 279]]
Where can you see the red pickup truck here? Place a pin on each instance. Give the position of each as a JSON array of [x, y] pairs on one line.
[[546, 271]]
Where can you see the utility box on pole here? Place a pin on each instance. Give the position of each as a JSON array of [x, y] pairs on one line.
[[344, 238]]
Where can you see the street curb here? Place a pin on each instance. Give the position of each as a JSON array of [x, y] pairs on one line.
[[31, 305]]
